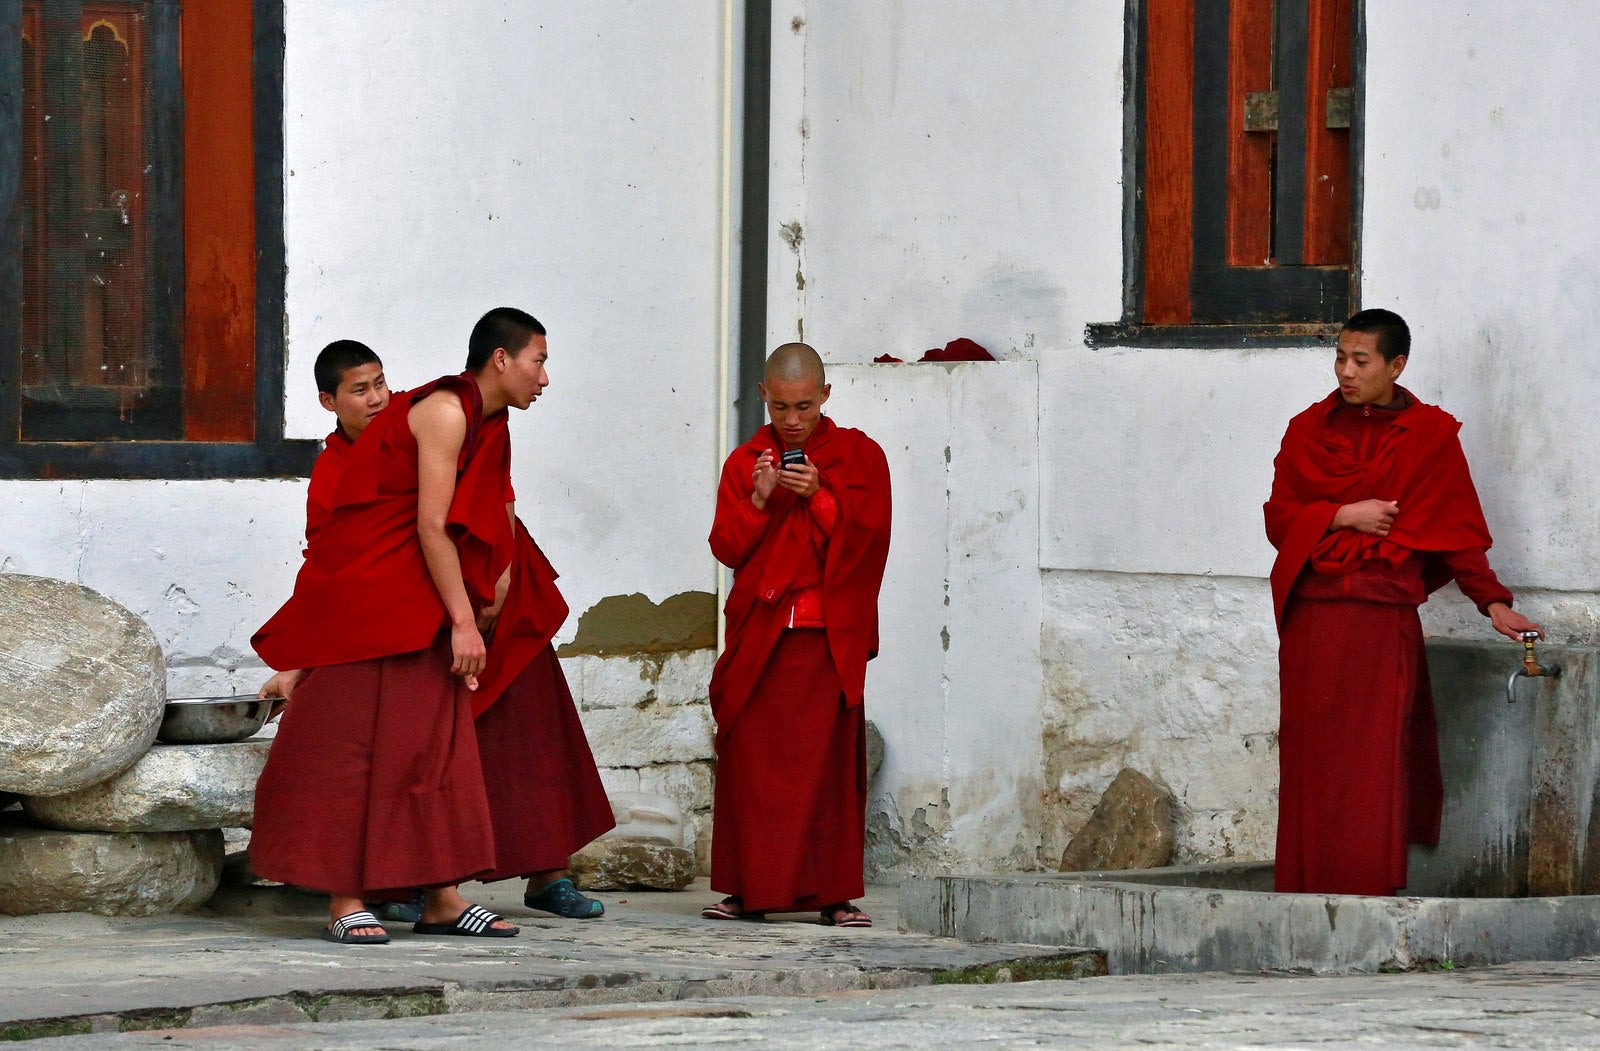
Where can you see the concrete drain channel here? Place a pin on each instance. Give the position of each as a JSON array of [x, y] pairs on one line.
[[1225, 918]]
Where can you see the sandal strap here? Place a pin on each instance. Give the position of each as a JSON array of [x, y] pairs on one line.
[[354, 921], [476, 919]]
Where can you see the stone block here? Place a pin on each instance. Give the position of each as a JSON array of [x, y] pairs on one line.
[[651, 734], [173, 788], [689, 784], [110, 873], [633, 863], [619, 779], [874, 751], [642, 815], [617, 682], [1131, 828], [685, 678], [82, 684]]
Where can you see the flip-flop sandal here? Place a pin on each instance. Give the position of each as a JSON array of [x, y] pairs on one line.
[[845, 915], [727, 909], [565, 900], [340, 930], [474, 922]]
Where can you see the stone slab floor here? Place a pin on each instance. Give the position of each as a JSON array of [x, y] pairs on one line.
[[256, 958], [1534, 1006], [651, 974]]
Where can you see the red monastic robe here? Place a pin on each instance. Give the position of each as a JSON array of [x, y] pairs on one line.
[[325, 476], [364, 597], [1358, 748], [790, 809]]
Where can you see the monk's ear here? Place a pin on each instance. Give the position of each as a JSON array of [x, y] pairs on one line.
[[761, 389], [1397, 366], [327, 400], [827, 389]]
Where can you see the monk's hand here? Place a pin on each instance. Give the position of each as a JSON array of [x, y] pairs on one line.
[[1510, 623], [801, 479], [489, 615], [764, 479], [467, 652], [280, 686], [1373, 517]]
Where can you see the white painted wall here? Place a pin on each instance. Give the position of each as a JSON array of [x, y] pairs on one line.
[[946, 189]]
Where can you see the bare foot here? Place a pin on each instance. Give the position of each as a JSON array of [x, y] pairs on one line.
[[445, 905], [341, 905]]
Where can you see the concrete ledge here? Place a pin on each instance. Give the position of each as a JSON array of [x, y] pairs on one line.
[[1145, 928]]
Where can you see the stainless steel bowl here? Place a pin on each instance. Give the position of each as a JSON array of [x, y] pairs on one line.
[[212, 720]]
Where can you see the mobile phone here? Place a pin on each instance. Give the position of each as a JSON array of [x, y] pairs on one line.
[[793, 458]]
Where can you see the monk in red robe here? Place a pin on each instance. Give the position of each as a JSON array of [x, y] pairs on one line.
[[1372, 509], [351, 385], [803, 521], [420, 555], [540, 773]]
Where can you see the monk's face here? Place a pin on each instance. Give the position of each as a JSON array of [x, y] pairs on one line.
[[794, 406], [524, 376], [1364, 377], [362, 394]]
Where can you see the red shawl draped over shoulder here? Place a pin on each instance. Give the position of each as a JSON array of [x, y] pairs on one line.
[[1418, 464], [365, 591], [773, 564], [326, 474]]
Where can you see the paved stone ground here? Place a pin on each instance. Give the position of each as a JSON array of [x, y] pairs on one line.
[[1535, 1006], [263, 963], [651, 974]]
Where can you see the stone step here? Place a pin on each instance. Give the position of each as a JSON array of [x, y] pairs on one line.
[[264, 965]]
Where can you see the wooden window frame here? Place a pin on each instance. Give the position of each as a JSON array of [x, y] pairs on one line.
[[233, 252], [1193, 290]]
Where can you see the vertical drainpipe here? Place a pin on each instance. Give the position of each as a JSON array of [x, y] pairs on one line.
[[724, 284], [740, 359]]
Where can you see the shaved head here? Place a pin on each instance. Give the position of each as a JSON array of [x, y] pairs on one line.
[[794, 389], [794, 362]]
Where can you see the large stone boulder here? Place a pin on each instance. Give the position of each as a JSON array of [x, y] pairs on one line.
[[82, 685], [633, 863], [114, 874], [173, 788], [1131, 828]]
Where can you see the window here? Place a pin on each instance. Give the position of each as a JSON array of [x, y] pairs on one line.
[[141, 257], [1241, 115]]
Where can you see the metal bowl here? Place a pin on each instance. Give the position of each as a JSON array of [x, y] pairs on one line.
[[212, 720]]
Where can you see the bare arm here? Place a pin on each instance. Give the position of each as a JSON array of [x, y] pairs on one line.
[[440, 427]]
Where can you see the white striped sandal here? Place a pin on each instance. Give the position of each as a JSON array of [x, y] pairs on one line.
[[475, 922], [342, 930]]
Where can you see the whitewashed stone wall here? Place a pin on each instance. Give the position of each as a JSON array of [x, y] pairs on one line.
[[648, 720]]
